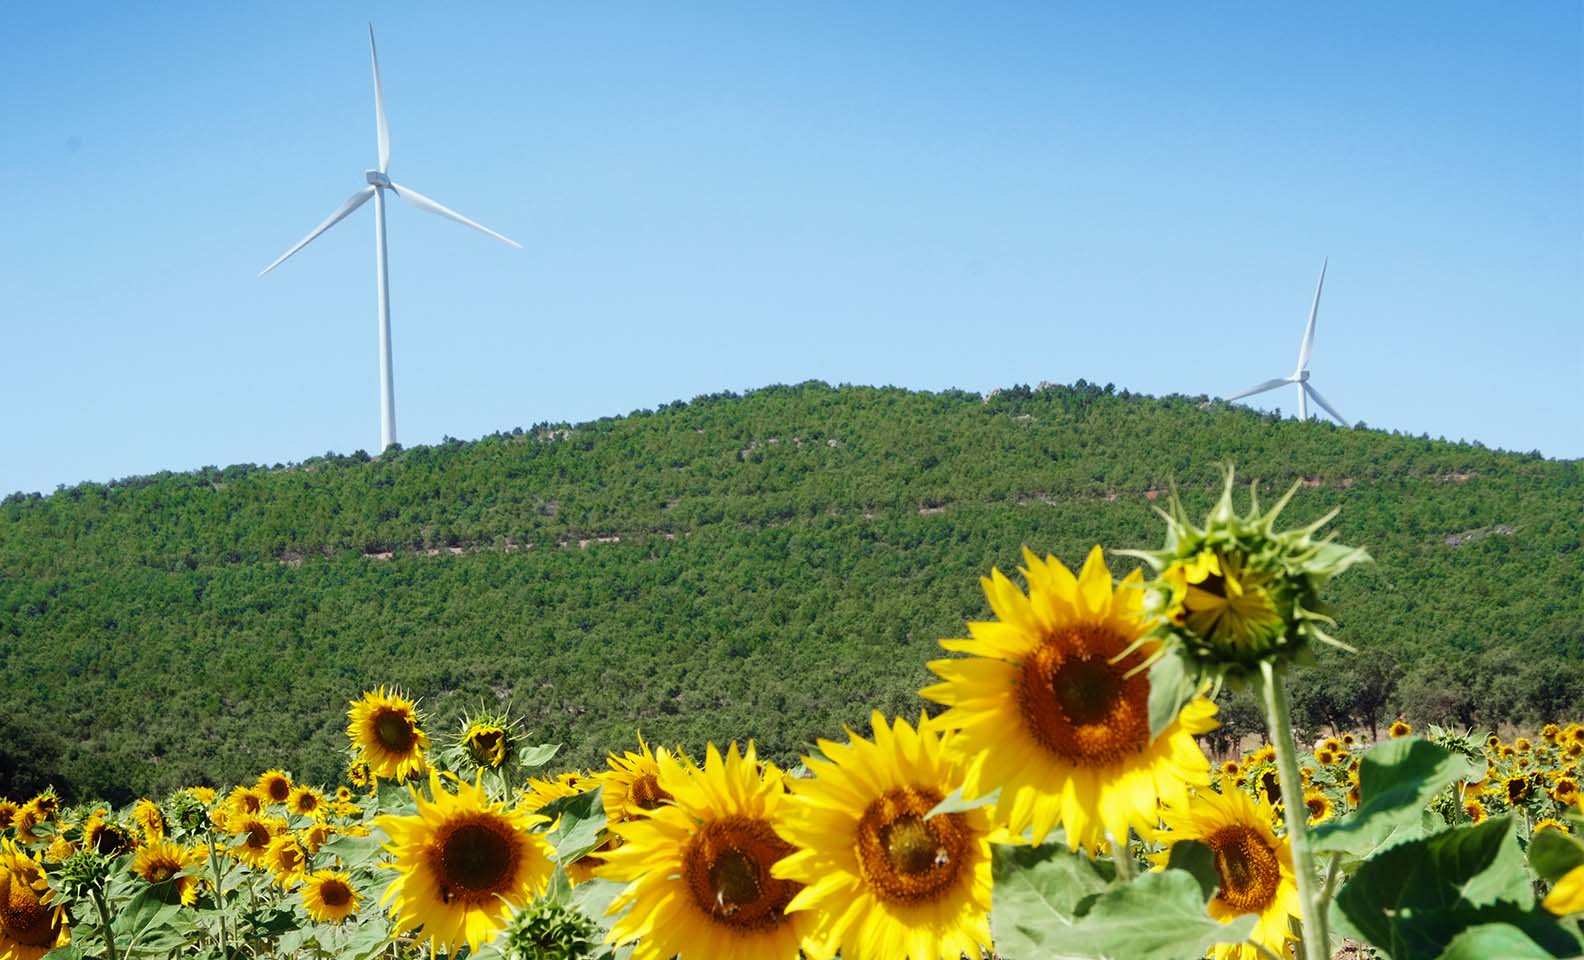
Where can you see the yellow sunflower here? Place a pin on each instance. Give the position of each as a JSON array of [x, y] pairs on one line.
[[1218, 597], [106, 837], [1054, 707], [1549, 823], [204, 795], [1320, 806], [384, 729], [307, 801], [8, 809], [1230, 768], [1565, 791], [59, 849], [881, 880], [255, 834], [150, 820], [162, 861], [632, 784], [273, 786], [29, 926], [287, 860], [245, 801], [358, 774], [1399, 729], [343, 794], [698, 869], [1568, 894], [486, 743], [464, 864], [328, 897], [315, 836], [1523, 745], [1255, 868], [543, 791], [1517, 790], [1474, 810]]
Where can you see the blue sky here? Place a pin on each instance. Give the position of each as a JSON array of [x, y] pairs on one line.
[[724, 196]]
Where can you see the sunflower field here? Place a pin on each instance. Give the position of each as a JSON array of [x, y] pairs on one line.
[[1050, 798]]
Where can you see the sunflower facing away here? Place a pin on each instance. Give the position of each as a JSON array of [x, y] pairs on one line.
[[1254, 867], [162, 861], [384, 729], [29, 926], [463, 864], [883, 881], [697, 869], [328, 896], [1053, 707]]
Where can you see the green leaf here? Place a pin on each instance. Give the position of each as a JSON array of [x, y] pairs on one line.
[[593, 898], [1170, 689], [1413, 899], [1159, 916], [538, 756], [1396, 779], [581, 818], [1494, 940], [956, 803], [355, 852], [1553, 853], [1039, 888], [1198, 860]]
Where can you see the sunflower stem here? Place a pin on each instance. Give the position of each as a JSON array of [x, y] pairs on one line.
[[214, 863], [1278, 716], [1122, 856], [104, 918]]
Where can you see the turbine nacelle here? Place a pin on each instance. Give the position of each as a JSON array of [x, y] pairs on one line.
[[377, 178]]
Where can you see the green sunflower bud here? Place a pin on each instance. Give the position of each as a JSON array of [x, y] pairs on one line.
[[1236, 591], [549, 930]]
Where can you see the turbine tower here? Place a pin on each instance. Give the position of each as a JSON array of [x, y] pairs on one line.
[[1300, 376], [379, 181]]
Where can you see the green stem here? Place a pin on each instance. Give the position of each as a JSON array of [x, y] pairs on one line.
[[104, 918], [214, 864], [1278, 715], [1122, 857]]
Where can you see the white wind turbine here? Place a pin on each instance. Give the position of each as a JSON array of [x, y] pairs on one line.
[[378, 182], [1300, 376]]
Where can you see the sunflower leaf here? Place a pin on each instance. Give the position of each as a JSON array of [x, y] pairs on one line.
[[1494, 940], [1170, 688], [957, 803], [1038, 889], [1396, 779], [1199, 861], [1159, 916], [1553, 853], [531, 757], [579, 821]]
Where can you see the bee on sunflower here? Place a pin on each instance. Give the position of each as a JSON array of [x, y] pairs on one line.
[[883, 878], [385, 731], [1052, 707], [698, 869]]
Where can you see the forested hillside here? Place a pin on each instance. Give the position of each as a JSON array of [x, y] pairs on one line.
[[774, 565]]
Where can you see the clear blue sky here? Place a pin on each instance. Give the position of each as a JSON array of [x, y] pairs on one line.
[[725, 196]]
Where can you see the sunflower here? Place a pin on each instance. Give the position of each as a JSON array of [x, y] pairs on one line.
[[1549, 823], [256, 834], [1566, 791], [1492, 742], [486, 743], [245, 801], [1320, 806], [543, 791], [883, 880], [632, 784], [328, 896], [59, 849], [698, 870], [343, 794], [29, 926], [8, 809], [307, 801], [1399, 729], [1230, 768], [287, 860], [1054, 707], [150, 820], [106, 837], [1523, 745], [1254, 867], [1324, 757], [204, 795], [384, 729], [1566, 897], [358, 774], [273, 786], [316, 836], [1348, 740], [463, 863], [1474, 810], [162, 861], [1550, 732], [1516, 789], [1223, 600]]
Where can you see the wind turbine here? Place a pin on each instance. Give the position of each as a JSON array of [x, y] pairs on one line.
[[1300, 376], [379, 181]]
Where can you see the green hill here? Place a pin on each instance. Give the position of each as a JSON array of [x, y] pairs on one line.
[[771, 566]]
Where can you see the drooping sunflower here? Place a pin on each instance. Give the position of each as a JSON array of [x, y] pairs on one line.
[[1053, 707], [59, 849], [486, 741], [162, 861], [307, 801], [384, 728], [329, 897], [632, 784], [882, 879], [30, 926], [1565, 791], [8, 809], [106, 837], [274, 786], [1254, 867], [698, 869], [287, 860], [463, 864], [255, 834], [150, 820]]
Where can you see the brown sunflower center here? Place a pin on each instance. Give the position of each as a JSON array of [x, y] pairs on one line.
[[394, 731], [334, 893], [905, 858], [476, 859], [727, 867], [488, 746], [1247, 865], [160, 872], [1078, 704], [22, 916], [1317, 805], [258, 836], [646, 793]]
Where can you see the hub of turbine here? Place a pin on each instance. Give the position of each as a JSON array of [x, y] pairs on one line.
[[376, 178]]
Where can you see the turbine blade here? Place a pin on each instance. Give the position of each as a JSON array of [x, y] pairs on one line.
[[1327, 407], [419, 200], [352, 203], [379, 109], [1308, 339], [1267, 385]]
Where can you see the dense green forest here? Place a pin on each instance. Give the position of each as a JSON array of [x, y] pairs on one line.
[[772, 565]]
